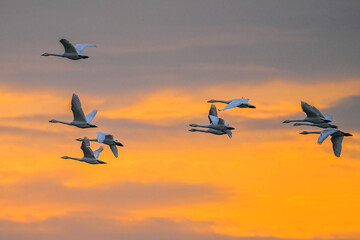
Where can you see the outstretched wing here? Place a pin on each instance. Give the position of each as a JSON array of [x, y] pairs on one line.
[[310, 110], [213, 110], [233, 104], [80, 47], [221, 122], [213, 120], [337, 141], [69, 48], [76, 109], [325, 133], [229, 133], [98, 151], [90, 116], [114, 150], [101, 136], [85, 147]]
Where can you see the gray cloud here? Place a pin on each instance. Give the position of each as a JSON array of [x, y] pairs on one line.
[[90, 227], [149, 44]]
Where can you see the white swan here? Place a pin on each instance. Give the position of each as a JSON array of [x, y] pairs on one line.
[[321, 125], [212, 131], [71, 52], [313, 115], [337, 137], [233, 103], [216, 123], [80, 120], [107, 139], [89, 156]]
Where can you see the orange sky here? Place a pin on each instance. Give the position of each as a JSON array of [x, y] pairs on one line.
[[151, 77]]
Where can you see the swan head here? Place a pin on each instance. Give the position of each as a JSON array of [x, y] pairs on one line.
[[304, 132], [45, 54], [53, 121], [286, 121], [79, 139], [192, 130], [65, 157], [211, 101], [193, 125]]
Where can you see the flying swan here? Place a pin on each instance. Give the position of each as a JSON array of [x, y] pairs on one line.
[[80, 120], [233, 103], [89, 156], [217, 125], [337, 137], [107, 139], [313, 115], [71, 52]]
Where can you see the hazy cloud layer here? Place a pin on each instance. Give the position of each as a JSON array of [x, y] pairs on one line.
[[88, 226]]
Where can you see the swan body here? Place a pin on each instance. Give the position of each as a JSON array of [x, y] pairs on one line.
[[89, 156], [337, 137], [71, 52], [107, 139], [233, 103], [212, 131], [217, 124], [313, 115], [80, 120]]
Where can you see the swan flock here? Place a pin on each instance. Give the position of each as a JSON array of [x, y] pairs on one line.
[[216, 126]]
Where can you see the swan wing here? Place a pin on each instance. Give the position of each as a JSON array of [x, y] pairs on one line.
[[214, 120], [229, 133], [109, 137], [101, 136], [90, 116], [114, 150], [329, 118], [98, 151], [242, 100], [85, 147], [213, 110], [337, 141], [80, 47], [233, 104], [222, 122], [325, 133], [311, 111], [76, 109], [69, 48]]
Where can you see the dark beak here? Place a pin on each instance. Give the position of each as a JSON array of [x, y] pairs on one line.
[[119, 144]]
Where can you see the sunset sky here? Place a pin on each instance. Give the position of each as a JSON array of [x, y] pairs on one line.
[[156, 65]]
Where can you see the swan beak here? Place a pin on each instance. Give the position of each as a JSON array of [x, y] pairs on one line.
[[231, 128]]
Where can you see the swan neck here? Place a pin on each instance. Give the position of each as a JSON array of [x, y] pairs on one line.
[[78, 159], [57, 121], [222, 101], [56, 55]]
